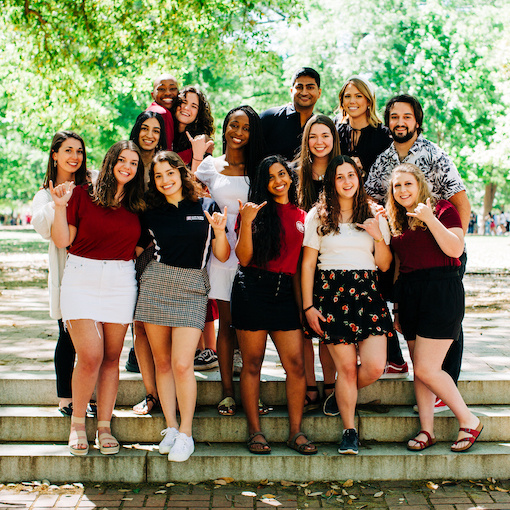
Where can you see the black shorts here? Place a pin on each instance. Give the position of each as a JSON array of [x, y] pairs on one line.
[[431, 303], [263, 301]]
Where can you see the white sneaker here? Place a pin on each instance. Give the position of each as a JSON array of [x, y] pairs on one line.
[[182, 448], [168, 441]]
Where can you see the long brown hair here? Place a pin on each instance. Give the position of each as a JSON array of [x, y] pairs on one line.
[[328, 206], [306, 194], [105, 189], [397, 217]]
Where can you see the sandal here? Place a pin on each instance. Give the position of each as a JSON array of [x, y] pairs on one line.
[[470, 439], [303, 448], [92, 409], [265, 448], [147, 405], [77, 437], [421, 445], [105, 438], [66, 410], [312, 405], [227, 407], [264, 408]]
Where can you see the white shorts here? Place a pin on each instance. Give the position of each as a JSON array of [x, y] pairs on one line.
[[100, 290]]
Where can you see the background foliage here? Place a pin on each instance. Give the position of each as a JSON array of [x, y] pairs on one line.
[[87, 65]]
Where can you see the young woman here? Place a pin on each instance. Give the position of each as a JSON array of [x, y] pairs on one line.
[[428, 239], [362, 134], [228, 178], [67, 163], [192, 117], [340, 296], [98, 287], [265, 295], [319, 146], [172, 300], [149, 134]]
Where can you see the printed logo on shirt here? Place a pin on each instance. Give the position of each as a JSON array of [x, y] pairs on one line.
[[300, 226], [195, 218]]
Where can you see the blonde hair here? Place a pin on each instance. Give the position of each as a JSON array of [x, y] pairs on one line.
[[397, 217], [366, 89]]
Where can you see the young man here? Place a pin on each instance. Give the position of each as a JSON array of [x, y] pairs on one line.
[[283, 125], [404, 117]]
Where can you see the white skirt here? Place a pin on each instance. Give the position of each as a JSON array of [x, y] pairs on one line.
[[100, 290]]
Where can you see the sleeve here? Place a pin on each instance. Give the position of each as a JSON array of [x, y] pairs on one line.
[[449, 181], [73, 217], [312, 238], [43, 213], [377, 181], [206, 171], [385, 229], [145, 237], [448, 215]]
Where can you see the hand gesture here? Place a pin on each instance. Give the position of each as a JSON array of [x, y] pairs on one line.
[[249, 210], [423, 212], [217, 221], [313, 316], [371, 226], [61, 194], [200, 145]]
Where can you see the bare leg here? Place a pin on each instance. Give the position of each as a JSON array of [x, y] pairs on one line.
[[372, 353], [328, 367], [226, 342], [209, 337], [145, 361]]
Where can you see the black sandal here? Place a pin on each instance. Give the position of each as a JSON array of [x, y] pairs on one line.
[[66, 410], [144, 405], [311, 405], [304, 448], [258, 451]]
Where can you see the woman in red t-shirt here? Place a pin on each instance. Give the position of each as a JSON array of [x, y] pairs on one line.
[[266, 297], [428, 239], [100, 226]]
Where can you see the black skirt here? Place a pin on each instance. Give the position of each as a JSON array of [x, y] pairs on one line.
[[263, 301], [352, 306]]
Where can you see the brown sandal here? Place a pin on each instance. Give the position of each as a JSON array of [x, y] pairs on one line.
[[470, 439], [252, 443], [307, 448], [431, 441]]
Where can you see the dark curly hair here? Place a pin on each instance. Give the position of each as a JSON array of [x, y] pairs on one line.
[[135, 132], [328, 206], [267, 225], [255, 148], [103, 193], [155, 198]]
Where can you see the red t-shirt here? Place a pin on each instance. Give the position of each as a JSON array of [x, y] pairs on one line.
[[417, 249], [293, 230], [103, 233], [169, 122]]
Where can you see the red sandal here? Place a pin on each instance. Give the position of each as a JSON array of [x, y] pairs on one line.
[[431, 441], [471, 440]]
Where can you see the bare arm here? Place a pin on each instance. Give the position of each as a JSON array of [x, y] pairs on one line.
[[308, 267], [199, 146], [220, 246], [382, 252], [461, 203], [244, 245], [62, 233]]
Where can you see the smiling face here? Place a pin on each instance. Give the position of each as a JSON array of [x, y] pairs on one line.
[[126, 167], [186, 113], [150, 132], [237, 132], [402, 123], [346, 181], [320, 140], [69, 156], [305, 92], [168, 181], [279, 183], [354, 103], [405, 190], [164, 93]]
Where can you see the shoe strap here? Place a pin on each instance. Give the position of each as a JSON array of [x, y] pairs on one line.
[[76, 420], [105, 424], [429, 437], [329, 386], [475, 433]]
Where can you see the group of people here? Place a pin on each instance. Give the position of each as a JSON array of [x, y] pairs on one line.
[[291, 232]]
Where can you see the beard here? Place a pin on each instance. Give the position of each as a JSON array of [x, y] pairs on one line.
[[403, 138]]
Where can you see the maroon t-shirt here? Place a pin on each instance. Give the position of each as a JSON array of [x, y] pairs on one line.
[[169, 122], [293, 230], [103, 233], [417, 249]]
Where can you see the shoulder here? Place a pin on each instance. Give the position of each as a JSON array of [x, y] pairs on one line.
[[42, 196], [274, 112], [447, 214]]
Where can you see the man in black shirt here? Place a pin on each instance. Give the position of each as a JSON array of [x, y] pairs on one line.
[[283, 125]]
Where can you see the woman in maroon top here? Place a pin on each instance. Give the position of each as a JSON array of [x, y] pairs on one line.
[[101, 227], [266, 297], [428, 239]]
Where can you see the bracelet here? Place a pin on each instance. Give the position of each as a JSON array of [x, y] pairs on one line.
[[195, 159], [309, 308], [379, 240]]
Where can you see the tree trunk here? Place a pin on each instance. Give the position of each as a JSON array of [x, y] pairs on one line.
[[488, 199]]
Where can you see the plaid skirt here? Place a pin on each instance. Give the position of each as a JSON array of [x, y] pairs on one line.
[[172, 296], [352, 306]]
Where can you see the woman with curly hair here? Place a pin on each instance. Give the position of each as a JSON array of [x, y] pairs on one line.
[[266, 298], [428, 240], [345, 242], [173, 289], [101, 227], [228, 179], [192, 117]]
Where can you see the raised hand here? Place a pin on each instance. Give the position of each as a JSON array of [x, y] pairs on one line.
[[62, 193], [217, 221], [371, 226], [423, 212], [249, 210], [200, 145]]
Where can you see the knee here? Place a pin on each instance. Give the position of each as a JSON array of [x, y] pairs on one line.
[[182, 368], [90, 362], [424, 373], [374, 370], [252, 365], [348, 374], [295, 367], [163, 366]]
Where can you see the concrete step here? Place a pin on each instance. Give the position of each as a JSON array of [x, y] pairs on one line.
[[398, 424], [137, 464], [38, 388]]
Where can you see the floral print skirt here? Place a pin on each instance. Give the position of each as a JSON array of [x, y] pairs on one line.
[[352, 305]]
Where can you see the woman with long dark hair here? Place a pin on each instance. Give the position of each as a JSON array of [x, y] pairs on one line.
[[101, 227]]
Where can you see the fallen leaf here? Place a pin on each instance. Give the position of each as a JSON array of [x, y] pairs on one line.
[[263, 482], [352, 497], [272, 502], [335, 487], [362, 506], [227, 479], [127, 499], [339, 499], [349, 501], [170, 484], [249, 494], [269, 496], [220, 481], [348, 483], [502, 490], [136, 491], [160, 492], [344, 492], [124, 490], [331, 492], [285, 483], [313, 494], [432, 486], [378, 494], [307, 491], [491, 487], [448, 482]]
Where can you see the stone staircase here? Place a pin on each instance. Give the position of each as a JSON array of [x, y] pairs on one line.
[[33, 436]]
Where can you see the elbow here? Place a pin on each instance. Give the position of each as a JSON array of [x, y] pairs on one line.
[[455, 252], [384, 266], [225, 255]]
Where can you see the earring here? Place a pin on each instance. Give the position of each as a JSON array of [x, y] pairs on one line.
[[55, 163]]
